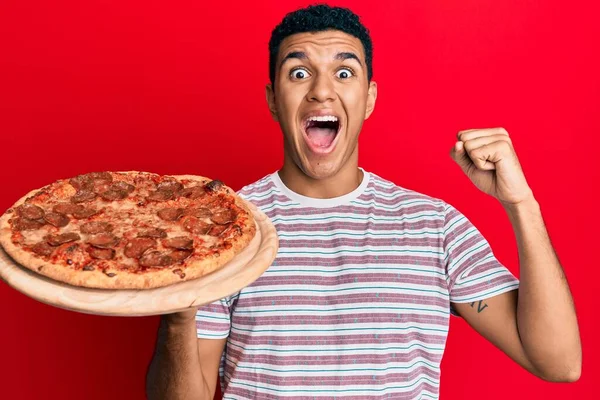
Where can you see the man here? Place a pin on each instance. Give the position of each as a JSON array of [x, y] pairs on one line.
[[357, 302]]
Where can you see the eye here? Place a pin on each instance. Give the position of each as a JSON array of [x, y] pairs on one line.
[[299, 74], [344, 73]]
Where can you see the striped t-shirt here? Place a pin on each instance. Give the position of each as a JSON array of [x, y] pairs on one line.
[[357, 302]]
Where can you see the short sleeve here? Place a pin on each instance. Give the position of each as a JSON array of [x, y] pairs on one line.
[[472, 271], [213, 321]]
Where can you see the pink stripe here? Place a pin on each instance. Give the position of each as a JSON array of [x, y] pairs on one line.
[[330, 281], [364, 259], [400, 226], [342, 319], [410, 395], [402, 241], [339, 340], [416, 300], [391, 378]]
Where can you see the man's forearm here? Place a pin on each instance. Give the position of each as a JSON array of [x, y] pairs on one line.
[[175, 371], [546, 317]]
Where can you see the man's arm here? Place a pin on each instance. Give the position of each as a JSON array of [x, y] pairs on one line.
[[183, 367], [536, 326]]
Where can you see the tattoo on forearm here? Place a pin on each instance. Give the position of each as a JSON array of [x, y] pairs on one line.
[[480, 306]]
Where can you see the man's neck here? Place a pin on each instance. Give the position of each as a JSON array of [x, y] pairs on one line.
[[347, 179]]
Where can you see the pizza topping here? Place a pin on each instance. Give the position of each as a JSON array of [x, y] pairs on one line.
[[88, 268], [30, 211], [25, 224], [170, 185], [42, 249], [180, 255], [56, 219], [94, 227], [101, 254], [59, 238], [120, 185], [153, 233], [138, 246], [223, 216], [84, 212], [198, 212], [66, 208], [179, 272], [214, 186], [216, 230], [170, 214], [112, 195], [160, 195], [193, 192], [156, 259], [83, 196], [103, 240], [179, 242], [196, 226], [100, 176]]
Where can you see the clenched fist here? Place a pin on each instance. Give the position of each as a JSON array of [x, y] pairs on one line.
[[488, 158]]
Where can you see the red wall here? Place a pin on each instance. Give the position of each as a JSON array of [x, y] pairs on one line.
[[178, 87]]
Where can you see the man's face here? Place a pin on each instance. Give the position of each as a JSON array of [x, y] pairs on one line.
[[321, 98]]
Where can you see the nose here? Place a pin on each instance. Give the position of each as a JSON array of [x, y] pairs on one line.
[[321, 90]]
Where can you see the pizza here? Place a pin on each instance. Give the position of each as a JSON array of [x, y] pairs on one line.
[[127, 230]]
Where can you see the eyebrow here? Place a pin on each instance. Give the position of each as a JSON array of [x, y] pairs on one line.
[[300, 55]]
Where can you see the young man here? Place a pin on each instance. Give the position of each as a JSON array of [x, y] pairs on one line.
[[357, 302]]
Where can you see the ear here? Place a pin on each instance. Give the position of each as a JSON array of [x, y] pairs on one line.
[[371, 98], [271, 101]]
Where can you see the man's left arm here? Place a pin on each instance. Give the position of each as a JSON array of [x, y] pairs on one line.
[[535, 325]]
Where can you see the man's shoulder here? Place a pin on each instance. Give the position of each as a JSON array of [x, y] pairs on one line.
[[262, 187], [390, 193]]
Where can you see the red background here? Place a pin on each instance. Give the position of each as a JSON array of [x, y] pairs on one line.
[[179, 88]]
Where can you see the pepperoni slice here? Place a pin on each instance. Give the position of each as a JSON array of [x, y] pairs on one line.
[[194, 225], [25, 224], [66, 208], [160, 195], [83, 196], [120, 185], [216, 230], [153, 233], [198, 212], [60, 238], [42, 249], [81, 182], [30, 211], [170, 214], [104, 240], [112, 195], [84, 212], [101, 254], [156, 259], [56, 219], [223, 216], [180, 255], [170, 185], [214, 186], [138, 246], [179, 242], [193, 192], [94, 227]]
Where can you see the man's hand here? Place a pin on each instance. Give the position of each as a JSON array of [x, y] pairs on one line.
[[181, 317], [488, 158]]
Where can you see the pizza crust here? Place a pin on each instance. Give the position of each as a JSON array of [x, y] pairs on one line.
[[125, 279]]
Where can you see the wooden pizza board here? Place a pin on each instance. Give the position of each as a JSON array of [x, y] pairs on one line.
[[240, 272]]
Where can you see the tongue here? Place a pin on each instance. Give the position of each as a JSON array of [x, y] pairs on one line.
[[321, 137]]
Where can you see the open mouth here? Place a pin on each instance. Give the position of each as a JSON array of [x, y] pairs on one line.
[[321, 130]]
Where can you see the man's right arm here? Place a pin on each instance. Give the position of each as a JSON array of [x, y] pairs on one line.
[[183, 367]]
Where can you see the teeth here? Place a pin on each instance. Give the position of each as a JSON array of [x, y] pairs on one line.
[[323, 118]]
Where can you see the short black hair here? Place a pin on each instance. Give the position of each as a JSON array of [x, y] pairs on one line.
[[318, 18]]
